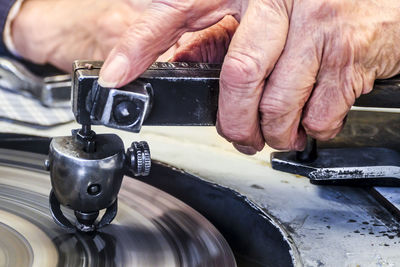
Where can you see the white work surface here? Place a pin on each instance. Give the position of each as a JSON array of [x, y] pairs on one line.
[[330, 226]]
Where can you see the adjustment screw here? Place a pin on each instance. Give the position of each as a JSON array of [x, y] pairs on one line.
[[94, 189], [47, 165], [139, 158], [126, 112]]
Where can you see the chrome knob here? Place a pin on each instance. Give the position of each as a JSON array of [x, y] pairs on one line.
[[139, 159]]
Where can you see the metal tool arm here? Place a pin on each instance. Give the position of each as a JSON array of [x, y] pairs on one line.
[[166, 94], [173, 94]]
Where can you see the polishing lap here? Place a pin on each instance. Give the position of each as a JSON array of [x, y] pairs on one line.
[[152, 228]]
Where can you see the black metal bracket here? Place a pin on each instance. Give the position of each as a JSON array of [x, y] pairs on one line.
[[359, 166], [61, 220]]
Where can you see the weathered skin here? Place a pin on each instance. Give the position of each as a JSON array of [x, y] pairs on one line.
[[293, 67], [318, 57], [61, 31]]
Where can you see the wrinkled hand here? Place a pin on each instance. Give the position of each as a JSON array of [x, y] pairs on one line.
[[61, 31], [293, 67]]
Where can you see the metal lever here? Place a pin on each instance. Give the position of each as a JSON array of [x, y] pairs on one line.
[[52, 91], [360, 166], [182, 93]]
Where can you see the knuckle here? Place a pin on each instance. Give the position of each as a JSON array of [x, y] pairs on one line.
[[275, 106], [114, 17], [325, 11], [321, 129], [272, 108], [241, 70], [315, 126], [118, 21]]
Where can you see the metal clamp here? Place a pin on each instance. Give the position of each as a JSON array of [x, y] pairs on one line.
[[95, 105], [125, 110], [52, 91]]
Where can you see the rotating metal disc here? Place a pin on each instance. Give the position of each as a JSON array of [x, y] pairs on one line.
[[152, 228]]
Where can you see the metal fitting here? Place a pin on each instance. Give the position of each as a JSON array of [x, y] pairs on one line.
[[139, 159]]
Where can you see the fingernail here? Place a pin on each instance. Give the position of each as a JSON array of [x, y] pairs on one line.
[[114, 72], [248, 150]]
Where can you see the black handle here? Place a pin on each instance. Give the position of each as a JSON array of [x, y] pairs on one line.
[[386, 94], [187, 93]]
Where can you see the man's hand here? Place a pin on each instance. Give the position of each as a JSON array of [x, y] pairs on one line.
[[61, 31], [293, 67]]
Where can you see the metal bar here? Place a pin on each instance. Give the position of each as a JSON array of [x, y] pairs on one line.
[[187, 93]]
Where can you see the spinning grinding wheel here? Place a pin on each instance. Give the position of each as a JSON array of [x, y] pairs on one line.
[[152, 228]]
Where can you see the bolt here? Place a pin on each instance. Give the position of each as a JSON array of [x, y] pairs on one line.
[[126, 112], [87, 137], [94, 189], [47, 165]]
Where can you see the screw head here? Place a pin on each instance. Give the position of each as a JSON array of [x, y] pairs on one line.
[[47, 165], [94, 189], [126, 112]]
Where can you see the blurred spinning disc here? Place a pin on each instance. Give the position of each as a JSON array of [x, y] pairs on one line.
[[152, 228]]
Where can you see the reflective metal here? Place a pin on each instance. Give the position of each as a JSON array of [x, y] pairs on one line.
[[139, 159], [365, 153], [73, 171], [94, 105], [152, 228], [85, 181], [52, 91]]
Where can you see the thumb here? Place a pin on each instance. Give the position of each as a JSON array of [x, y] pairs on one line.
[[161, 26]]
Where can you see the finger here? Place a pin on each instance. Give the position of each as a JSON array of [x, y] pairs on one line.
[[333, 96], [248, 150], [153, 33], [252, 54], [186, 38], [209, 45], [287, 90]]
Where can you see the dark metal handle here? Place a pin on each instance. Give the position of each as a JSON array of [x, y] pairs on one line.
[[386, 94], [187, 93]]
